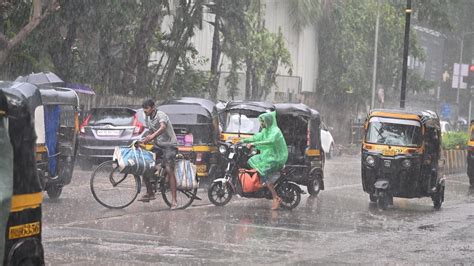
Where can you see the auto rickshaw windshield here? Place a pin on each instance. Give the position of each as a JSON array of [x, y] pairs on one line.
[[397, 132], [241, 123]]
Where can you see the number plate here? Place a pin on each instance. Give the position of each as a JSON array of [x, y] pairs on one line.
[[389, 152], [231, 155], [202, 168], [24, 230], [108, 132]]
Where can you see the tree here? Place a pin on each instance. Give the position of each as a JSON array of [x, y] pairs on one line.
[[9, 38]]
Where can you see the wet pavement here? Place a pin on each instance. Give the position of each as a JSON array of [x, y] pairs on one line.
[[339, 226]]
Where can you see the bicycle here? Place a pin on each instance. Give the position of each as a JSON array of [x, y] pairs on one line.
[[115, 190]]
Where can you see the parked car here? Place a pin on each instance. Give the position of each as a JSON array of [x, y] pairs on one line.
[[105, 128], [327, 141], [445, 127]]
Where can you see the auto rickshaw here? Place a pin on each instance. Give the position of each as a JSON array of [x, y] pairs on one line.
[[470, 155], [195, 122], [301, 127], [21, 193], [57, 125], [401, 156], [241, 119]]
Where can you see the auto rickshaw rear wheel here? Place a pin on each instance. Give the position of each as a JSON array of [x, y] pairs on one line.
[[438, 198], [372, 197], [54, 190], [314, 186]]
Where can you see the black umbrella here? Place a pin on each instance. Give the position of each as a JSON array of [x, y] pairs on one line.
[[40, 78]]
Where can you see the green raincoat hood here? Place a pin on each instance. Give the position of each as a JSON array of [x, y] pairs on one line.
[[271, 144]]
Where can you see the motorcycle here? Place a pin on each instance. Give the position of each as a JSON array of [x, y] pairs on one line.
[[221, 190]]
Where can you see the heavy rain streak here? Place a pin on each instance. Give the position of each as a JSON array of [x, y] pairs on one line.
[[142, 132]]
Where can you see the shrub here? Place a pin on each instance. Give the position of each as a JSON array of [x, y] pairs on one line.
[[455, 140]]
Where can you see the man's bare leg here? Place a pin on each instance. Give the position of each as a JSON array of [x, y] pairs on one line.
[[276, 200], [172, 182]]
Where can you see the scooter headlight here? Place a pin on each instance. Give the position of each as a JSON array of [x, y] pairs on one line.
[[223, 149], [406, 163], [370, 160]]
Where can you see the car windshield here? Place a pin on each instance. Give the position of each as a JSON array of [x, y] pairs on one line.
[[112, 116], [242, 123], [396, 132]]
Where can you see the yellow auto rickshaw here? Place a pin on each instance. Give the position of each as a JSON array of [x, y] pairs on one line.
[[195, 122], [21, 193], [57, 127], [470, 155], [401, 156]]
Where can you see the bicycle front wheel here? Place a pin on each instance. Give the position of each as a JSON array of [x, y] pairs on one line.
[[184, 197], [112, 189]]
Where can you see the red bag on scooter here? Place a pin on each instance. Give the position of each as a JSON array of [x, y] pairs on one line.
[[250, 180]]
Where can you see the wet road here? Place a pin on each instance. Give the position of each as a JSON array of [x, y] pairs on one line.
[[339, 226]]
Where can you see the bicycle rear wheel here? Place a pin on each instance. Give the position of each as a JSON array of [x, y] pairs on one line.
[[184, 197], [113, 189]]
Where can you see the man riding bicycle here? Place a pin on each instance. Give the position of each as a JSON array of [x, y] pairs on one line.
[[162, 135]]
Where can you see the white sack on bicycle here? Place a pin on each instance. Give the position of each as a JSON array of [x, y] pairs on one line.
[[132, 160], [185, 173]]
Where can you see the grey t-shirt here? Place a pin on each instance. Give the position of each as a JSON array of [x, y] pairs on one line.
[[167, 137]]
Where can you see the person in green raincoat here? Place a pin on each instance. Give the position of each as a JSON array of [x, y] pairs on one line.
[[273, 152]]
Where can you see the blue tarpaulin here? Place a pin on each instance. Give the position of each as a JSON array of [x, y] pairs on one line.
[[51, 124]]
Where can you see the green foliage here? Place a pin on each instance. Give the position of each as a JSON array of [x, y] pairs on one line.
[[455, 140]]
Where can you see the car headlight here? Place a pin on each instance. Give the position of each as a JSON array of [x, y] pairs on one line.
[[406, 163], [223, 149], [370, 160]]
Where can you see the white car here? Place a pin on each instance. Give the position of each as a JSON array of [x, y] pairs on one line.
[[445, 127], [327, 141]]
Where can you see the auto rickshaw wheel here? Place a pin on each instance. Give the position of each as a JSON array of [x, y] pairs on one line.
[[372, 197], [438, 198], [314, 186], [383, 200], [54, 190]]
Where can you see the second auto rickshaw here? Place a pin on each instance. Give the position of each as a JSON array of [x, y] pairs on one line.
[[470, 155], [401, 156], [196, 125], [57, 126], [301, 127], [20, 187]]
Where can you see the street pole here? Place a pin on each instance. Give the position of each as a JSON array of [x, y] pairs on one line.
[[408, 11], [459, 79], [459, 75], [374, 74]]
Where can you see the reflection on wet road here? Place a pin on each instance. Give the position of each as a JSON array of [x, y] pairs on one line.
[[338, 226]]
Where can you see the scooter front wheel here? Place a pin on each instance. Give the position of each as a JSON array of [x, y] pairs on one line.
[[219, 194], [290, 195]]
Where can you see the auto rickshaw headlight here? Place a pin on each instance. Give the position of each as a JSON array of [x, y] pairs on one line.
[[406, 163], [370, 160], [222, 149]]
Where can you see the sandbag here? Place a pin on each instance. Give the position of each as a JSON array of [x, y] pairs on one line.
[[134, 160], [185, 173], [250, 180]]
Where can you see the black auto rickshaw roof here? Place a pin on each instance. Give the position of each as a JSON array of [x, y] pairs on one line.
[[205, 103], [180, 109], [260, 107], [58, 96], [426, 117], [25, 91]]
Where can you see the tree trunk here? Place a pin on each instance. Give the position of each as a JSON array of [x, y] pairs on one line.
[[248, 79], [215, 58]]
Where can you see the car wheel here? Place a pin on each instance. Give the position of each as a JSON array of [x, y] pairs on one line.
[[331, 151]]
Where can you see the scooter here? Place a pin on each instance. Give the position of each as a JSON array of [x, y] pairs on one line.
[[221, 190]]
